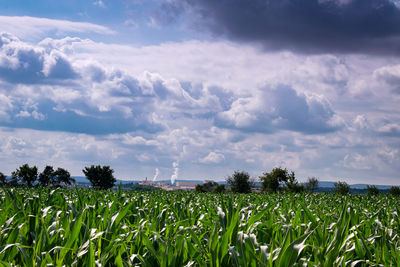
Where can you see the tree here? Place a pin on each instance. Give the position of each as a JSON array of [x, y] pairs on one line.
[[101, 177], [341, 188], [395, 191], [240, 182], [219, 188], [292, 185], [25, 174], [210, 186], [312, 184], [47, 176], [270, 181], [63, 177], [56, 178], [3, 179], [372, 190]]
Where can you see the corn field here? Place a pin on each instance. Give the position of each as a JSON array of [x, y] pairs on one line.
[[81, 227]]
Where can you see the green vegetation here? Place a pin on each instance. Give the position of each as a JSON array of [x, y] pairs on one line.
[[3, 179], [372, 190], [271, 181], [101, 177], [341, 188], [55, 227], [24, 175], [210, 186], [395, 191], [240, 182], [312, 184], [57, 178]]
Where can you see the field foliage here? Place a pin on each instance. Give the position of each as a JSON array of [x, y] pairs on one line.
[[41, 227]]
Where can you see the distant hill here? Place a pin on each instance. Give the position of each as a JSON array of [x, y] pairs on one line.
[[324, 186], [328, 184], [83, 180]]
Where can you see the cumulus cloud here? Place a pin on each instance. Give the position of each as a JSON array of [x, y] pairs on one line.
[[247, 109], [281, 108], [85, 96], [24, 63], [213, 157], [361, 26], [390, 129]]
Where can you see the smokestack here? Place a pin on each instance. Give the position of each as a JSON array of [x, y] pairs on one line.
[[174, 176], [156, 175]]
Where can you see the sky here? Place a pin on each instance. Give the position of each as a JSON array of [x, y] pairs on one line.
[[198, 89]]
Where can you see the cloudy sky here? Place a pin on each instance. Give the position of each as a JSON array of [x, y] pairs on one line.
[[195, 89]]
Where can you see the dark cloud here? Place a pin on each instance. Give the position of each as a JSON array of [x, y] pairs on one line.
[[168, 12], [309, 26]]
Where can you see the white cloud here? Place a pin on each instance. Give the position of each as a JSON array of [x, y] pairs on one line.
[[131, 24], [246, 110], [213, 157], [273, 109], [33, 28], [99, 3], [391, 129], [357, 161]]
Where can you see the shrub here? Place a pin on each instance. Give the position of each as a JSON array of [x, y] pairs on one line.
[[3, 179], [341, 188], [312, 184], [240, 182], [372, 190], [210, 186], [395, 191]]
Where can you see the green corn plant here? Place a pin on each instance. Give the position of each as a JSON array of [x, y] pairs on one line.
[[81, 227]]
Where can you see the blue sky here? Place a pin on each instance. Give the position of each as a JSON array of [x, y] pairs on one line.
[[199, 89]]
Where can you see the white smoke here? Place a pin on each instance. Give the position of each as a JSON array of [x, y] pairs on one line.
[[156, 175], [174, 176]]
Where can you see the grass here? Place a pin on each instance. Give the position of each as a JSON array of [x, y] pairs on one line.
[[42, 227]]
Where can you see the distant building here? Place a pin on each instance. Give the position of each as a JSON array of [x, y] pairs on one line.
[[186, 185], [147, 182]]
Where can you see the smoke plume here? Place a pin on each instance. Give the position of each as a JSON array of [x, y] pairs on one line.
[[174, 176], [156, 175]]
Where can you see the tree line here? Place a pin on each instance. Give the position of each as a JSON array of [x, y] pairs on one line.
[[281, 180], [100, 177]]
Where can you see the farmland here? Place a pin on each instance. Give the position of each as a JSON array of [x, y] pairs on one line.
[[44, 226]]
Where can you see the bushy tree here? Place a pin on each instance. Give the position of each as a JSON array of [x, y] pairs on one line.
[[341, 188], [395, 191], [219, 188], [25, 174], [292, 185], [3, 179], [210, 186], [47, 176], [56, 178], [63, 177], [312, 184], [101, 177], [240, 182], [270, 181], [372, 190]]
